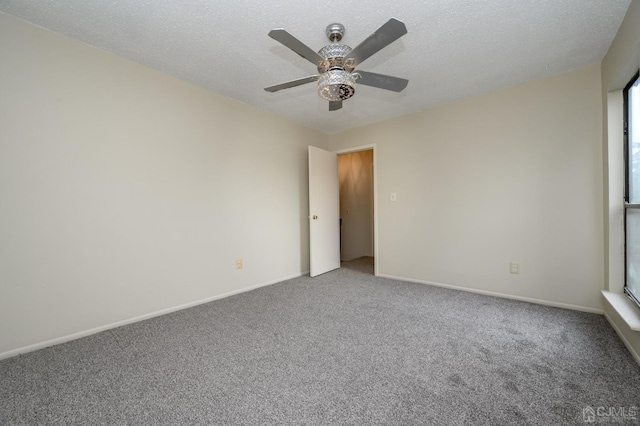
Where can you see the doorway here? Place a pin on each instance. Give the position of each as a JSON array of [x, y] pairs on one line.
[[356, 175]]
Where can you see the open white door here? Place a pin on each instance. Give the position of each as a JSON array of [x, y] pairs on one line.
[[324, 211]]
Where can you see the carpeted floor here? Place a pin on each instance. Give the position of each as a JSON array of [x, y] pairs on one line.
[[341, 348]]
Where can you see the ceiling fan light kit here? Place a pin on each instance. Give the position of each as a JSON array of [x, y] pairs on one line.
[[336, 62], [336, 85]]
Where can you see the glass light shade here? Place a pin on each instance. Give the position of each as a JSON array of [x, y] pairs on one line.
[[336, 85]]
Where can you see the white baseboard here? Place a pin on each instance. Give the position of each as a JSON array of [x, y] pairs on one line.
[[630, 347], [95, 330], [354, 258], [502, 295]]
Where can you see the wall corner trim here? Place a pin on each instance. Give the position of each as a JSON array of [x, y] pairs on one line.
[[626, 342]]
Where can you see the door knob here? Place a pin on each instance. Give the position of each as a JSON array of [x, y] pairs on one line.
[[315, 217]]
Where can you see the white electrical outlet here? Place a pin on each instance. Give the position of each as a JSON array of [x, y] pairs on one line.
[[393, 197], [239, 263], [514, 267]]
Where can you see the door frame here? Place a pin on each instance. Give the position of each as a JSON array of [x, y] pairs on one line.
[[376, 255]]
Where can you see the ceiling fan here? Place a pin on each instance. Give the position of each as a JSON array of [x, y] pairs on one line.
[[337, 62]]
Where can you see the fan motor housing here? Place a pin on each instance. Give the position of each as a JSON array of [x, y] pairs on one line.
[[335, 56]]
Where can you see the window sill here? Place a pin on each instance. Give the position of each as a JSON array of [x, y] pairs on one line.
[[627, 310]]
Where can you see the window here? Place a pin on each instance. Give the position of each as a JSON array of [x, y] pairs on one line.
[[632, 187]]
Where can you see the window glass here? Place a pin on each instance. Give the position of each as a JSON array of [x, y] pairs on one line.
[[633, 130], [632, 203], [633, 252]]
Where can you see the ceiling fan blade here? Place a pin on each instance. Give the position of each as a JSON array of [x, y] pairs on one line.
[[335, 105], [384, 36], [292, 83], [296, 45], [382, 81]]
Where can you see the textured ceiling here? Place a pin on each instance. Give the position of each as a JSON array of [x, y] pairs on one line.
[[453, 49]]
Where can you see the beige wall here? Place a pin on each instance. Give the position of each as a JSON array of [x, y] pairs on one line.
[[356, 204], [618, 67], [515, 175], [126, 192]]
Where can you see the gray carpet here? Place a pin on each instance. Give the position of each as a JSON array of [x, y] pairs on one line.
[[342, 348]]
